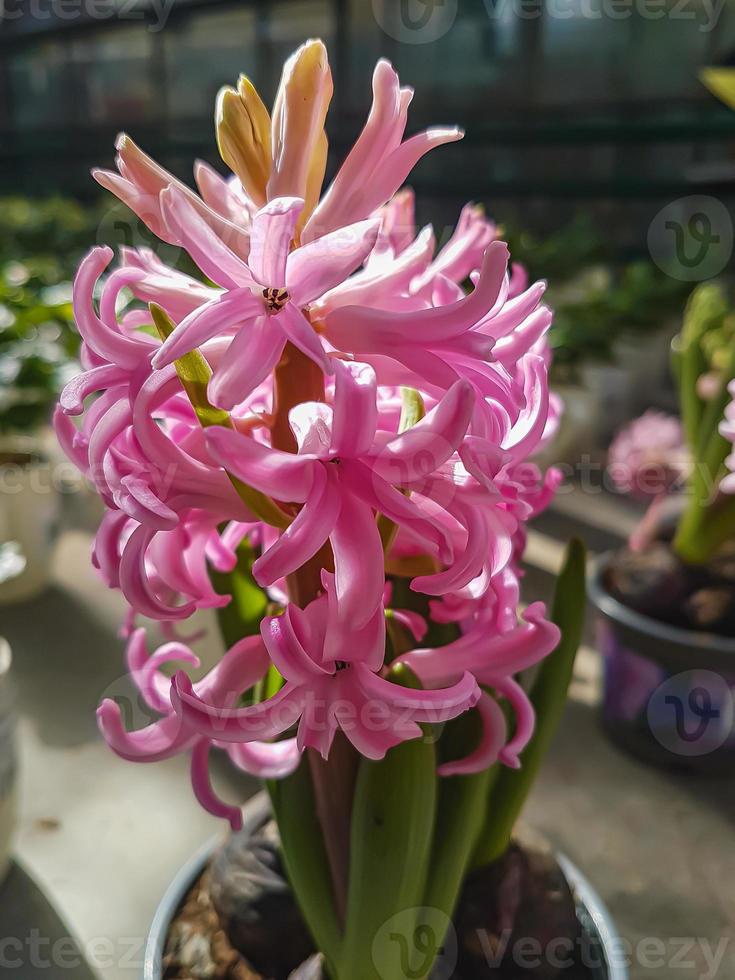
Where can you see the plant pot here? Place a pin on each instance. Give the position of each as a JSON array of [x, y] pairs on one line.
[[597, 925], [29, 518], [8, 760], [669, 693]]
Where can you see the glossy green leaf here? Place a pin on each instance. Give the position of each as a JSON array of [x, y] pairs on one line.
[[390, 851], [305, 859]]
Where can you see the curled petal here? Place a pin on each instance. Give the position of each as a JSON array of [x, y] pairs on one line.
[[285, 476], [525, 716], [423, 706], [488, 749], [258, 723], [426, 446], [203, 788], [145, 669], [158, 741], [286, 649], [266, 760], [303, 538]]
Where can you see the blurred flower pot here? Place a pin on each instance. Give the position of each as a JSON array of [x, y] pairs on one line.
[[612, 388], [29, 515], [646, 361], [669, 693], [8, 759], [600, 938]]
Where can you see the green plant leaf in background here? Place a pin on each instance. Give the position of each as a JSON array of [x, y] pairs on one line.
[[548, 695]]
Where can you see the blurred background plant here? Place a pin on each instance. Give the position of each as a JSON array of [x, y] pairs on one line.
[[598, 300], [41, 241]]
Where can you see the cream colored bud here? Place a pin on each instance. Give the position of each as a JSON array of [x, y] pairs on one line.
[[244, 137]]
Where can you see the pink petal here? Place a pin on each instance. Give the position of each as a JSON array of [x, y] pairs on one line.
[[494, 732], [423, 448], [285, 476], [270, 240], [221, 315], [145, 669], [382, 133], [266, 760], [72, 397], [326, 262], [303, 538], [302, 335], [358, 562], [397, 507], [286, 649], [104, 339], [355, 410], [218, 262], [250, 358], [525, 720], [203, 788], [158, 741], [421, 706], [257, 723], [318, 724]]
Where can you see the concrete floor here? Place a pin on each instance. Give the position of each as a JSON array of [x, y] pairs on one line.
[[99, 839]]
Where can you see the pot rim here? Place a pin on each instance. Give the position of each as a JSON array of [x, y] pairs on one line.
[[253, 813], [615, 610]]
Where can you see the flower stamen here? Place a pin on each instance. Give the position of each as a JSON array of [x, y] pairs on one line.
[[275, 299]]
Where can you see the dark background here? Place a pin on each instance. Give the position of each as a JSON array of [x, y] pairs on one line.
[[569, 105]]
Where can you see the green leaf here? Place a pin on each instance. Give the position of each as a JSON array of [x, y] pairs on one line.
[[194, 373], [460, 814], [548, 696], [305, 859], [390, 850]]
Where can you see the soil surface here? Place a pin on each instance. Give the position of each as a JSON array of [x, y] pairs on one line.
[[516, 918], [656, 583]]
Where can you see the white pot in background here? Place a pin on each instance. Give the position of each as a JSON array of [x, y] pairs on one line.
[[29, 516], [8, 760]]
